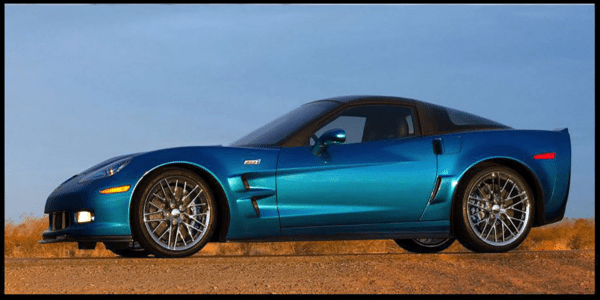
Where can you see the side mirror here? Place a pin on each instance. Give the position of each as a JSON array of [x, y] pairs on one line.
[[333, 136]]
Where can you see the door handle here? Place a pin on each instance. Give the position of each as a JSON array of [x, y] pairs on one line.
[[437, 146]]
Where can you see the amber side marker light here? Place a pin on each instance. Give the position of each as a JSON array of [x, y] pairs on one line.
[[544, 156], [114, 190]]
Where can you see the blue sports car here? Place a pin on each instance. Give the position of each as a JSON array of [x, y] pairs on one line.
[[357, 167]]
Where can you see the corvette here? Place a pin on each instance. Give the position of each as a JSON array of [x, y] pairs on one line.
[[354, 167]]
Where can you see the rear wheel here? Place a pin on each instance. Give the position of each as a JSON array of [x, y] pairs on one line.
[[425, 245], [175, 214], [496, 210]]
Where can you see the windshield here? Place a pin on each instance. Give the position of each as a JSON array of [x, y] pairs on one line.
[[283, 127]]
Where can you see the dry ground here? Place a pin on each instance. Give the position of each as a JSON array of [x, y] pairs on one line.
[[546, 272], [554, 259]]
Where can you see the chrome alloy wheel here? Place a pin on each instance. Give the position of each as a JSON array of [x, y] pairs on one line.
[[176, 213], [430, 242], [498, 209]]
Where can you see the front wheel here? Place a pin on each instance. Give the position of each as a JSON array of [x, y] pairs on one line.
[[425, 245], [175, 213], [495, 212]]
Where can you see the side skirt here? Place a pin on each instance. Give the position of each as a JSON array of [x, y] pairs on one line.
[[405, 230]]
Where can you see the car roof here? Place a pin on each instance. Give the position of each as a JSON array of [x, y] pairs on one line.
[[356, 99]]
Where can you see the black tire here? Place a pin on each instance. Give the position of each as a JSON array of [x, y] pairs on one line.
[[131, 250], [130, 253], [425, 245], [495, 198], [176, 203]]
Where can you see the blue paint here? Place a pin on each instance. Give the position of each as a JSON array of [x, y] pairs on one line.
[[378, 189]]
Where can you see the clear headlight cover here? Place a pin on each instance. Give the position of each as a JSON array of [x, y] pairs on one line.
[[107, 171]]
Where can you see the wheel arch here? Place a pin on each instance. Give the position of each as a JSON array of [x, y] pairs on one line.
[[519, 167], [223, 215]]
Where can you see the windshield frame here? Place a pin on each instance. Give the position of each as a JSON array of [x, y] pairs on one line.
[[277, 131]]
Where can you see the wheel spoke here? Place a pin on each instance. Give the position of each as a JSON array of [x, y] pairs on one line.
[[169, 186], [163, 234], [506, 225], [511, 218], [191, 217], [192, 227], [169, 240], [495, 233], [511, 222], [161, 198], [510, 207], [179, 234], [154, 212], [475, 204], [478, 199], [192, 201], [517, 210], [505, 183], [189, 232], [157, 226], [198, 214], [486, 237], [513, 187], [152, 203], [189, 192], [155, 220], [163, 190], [515, 196], [480, 191], [488, 188], [484, 227], [480, 221]]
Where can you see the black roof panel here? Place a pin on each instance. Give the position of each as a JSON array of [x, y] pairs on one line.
[[372, 98]]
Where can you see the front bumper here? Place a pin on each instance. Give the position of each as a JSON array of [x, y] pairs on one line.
[[88, 239], [111, 212]]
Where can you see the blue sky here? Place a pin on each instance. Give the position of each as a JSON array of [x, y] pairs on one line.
[[84, 83]]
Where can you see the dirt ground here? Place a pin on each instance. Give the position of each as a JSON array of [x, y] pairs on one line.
[[517, 272]]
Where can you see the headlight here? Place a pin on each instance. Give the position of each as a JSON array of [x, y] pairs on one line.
[[107, 171]]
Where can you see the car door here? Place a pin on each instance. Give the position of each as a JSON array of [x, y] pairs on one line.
[[383, 173]]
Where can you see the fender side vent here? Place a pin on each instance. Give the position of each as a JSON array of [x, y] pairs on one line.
[[438, 181], [245, 182], [256, 209]]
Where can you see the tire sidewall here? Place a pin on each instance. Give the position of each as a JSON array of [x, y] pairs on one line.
[[139, 230], [411, 245]]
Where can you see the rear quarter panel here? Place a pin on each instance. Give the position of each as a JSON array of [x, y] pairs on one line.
[[464, 150]]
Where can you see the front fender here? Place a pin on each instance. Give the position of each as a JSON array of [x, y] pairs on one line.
[[229, 168]]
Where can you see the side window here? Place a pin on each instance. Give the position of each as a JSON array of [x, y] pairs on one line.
[[354, 127], [449, 120], [372, 123]]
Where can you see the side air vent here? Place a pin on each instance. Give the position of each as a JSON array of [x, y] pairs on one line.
[[438, 181], [245, 182]]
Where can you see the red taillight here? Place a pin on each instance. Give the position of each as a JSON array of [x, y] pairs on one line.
[[544, 156]]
